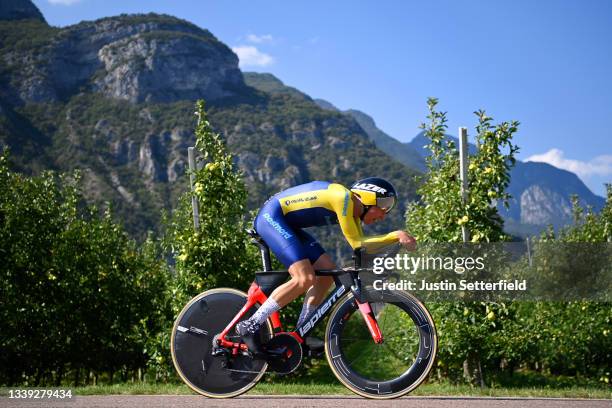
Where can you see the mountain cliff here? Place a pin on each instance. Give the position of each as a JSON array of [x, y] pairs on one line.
[[19, 10], [138, 58], [401, 152], [541, 194], [114, 98]]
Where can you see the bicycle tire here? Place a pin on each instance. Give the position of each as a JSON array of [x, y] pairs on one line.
[[210, 312], [378, 371]]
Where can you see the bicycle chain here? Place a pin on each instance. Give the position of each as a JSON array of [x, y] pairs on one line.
[[254, 372]]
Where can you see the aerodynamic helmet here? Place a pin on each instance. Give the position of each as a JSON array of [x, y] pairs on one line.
[[375, 191]]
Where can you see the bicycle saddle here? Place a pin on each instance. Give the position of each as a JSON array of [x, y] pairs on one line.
[[256, 237]]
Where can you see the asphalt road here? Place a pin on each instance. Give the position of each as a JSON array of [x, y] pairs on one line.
[[286, 401]]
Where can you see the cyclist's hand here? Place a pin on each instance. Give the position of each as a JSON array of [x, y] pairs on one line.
[[406, 240]]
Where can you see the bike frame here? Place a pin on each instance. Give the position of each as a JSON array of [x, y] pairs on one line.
[[256, 296], [346, 280]]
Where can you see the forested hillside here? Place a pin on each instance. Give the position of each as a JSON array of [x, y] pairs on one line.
[[115, 98]]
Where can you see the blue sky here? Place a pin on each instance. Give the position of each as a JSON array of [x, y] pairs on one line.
[[546, 63]]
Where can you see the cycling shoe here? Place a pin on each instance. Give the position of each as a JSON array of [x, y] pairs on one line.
[[250, 336], [314, 347], [314, 343]]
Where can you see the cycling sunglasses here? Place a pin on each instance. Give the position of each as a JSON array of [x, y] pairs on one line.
[[386, 203]]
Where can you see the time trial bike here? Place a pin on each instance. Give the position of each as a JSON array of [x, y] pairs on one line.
[[379, 344]]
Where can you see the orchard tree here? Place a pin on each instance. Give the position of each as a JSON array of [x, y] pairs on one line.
[[218, 253], [440, 213], [465, 327], [78, 297], [573, 336]]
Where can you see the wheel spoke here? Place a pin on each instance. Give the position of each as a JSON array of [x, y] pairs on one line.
[[362, 355], [384, 318], [392, 353]]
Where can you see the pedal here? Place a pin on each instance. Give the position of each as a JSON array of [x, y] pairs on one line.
[[315, 353], [314, 343], [314, 347], [284, 353]]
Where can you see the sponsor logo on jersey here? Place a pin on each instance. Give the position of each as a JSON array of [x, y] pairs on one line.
[[320, 312], [285, 234], [300, 200], [370, 187]]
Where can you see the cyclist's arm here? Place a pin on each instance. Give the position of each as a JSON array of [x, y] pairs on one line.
[[351, 227]]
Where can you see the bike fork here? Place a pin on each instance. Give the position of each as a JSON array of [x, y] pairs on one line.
[[370, 321]]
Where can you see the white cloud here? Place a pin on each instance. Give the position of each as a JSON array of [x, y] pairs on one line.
[[64, 2], [599, 166], [251, 56], [258, 39]]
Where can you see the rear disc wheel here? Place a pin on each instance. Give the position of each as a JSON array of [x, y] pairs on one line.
[[206, 315]]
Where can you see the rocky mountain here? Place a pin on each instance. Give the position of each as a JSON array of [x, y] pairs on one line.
[[115, 98], [145, 58], [268, 83], [402, 152], [19, 10], [541, 194]]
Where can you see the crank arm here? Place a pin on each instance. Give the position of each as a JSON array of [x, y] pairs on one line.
[[276, 353]]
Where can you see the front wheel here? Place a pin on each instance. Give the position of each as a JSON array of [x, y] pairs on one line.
[[392, 368]]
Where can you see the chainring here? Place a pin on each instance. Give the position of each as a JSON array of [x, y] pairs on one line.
[[284, 353]]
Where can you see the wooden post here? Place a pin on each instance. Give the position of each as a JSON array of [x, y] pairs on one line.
[[194, 200], [463, 167]]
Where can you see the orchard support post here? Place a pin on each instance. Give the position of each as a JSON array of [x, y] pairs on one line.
[[194, 200], [463, 167]]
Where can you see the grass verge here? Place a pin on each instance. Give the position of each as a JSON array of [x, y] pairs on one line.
[[288, 388]]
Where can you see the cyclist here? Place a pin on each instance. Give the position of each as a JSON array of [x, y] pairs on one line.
[[280, 222]]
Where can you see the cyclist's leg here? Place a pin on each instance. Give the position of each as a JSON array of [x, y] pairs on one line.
[[302, 278], [313, 298], [317, 292], [287, 245], [320, 260]]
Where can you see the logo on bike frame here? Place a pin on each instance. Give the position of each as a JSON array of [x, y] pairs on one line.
[[321, 311]]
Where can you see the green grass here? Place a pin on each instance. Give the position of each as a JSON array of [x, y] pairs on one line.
[[288, 388]]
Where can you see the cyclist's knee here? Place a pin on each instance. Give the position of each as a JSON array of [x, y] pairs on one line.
[[306, 281], [324, 262], [302, 274], [303, 281]]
